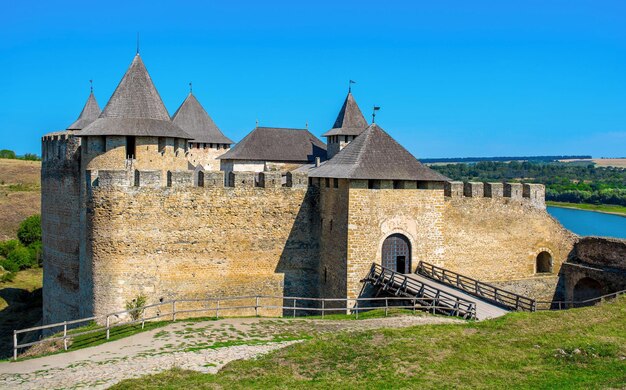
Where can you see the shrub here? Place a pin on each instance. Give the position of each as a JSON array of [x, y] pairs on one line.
[[138, 302], [30, 230], [7, 277], [5, 153], [22, 258], [31, 157], [8, 246], [9, 265], [35, 253]]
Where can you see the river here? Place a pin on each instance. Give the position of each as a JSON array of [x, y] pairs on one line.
[[590, 223]]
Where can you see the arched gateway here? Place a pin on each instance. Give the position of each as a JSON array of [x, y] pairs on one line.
[[396, 253]]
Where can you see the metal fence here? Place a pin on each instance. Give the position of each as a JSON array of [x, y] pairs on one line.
[[258, 305]]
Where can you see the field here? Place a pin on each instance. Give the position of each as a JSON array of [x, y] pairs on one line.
[[20, 194], [610, 162], [579, 348]]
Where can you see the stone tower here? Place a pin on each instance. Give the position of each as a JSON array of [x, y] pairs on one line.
[[60, 219], [348, 125], [208, 141]]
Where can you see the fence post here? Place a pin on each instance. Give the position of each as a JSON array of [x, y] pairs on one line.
[[174, 310], [386, 306], [294, 308], [65, 335], [256, 306], [14, 345], [323, 307], [108, 330], [413, 305], [356, 307], [217, 310], [143, 319]]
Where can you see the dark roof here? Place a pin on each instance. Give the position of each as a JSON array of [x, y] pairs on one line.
[[350, 120], [90, 113], [375, 155], [276, 144], [135, 109], [192, 118]]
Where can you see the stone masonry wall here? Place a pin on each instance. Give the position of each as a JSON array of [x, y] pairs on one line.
[[194, 242], [375, 214], [206, 155], [60, 203]]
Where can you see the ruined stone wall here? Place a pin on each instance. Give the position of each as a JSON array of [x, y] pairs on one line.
[[206, 155], [540, 288], [495, 237], [193, 242], [602, 252], [60, 203], [334, 238], [374, 214]]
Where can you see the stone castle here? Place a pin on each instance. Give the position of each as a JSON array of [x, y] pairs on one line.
[[137, 202]]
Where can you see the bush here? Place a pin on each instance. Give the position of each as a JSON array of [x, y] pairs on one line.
[[136, 303], [5, 153], [9, 265], [22, 258], [31, 157], [8, 246], [7, 277], [35, 250], [30, 230]]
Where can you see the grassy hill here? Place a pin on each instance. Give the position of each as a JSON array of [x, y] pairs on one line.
[[580, 348], [20, 194]]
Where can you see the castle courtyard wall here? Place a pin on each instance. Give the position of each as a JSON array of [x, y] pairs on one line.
[[194, 242]]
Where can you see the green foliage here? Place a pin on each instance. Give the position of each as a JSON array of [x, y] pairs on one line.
[[30, 230], [136, 303], [8, 246], [22, 258], [5, 153], [9, 265], [574, 183], [31, 157], [7, 277]]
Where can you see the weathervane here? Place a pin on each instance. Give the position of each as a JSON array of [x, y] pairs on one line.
[[376, 108], [137, 42], [306, 124], [350, 85], [190, 87], [91, 86], [257, 123]]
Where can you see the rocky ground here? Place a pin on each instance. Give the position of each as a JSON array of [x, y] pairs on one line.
[[201, 346]]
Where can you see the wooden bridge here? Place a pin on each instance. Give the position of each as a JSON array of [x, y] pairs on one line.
[[451, 293]]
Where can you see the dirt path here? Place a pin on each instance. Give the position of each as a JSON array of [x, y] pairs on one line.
[[202, 346]]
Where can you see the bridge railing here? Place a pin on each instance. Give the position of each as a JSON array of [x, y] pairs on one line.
[[400, 284], [256, 305], [562, 305], [475, 287]]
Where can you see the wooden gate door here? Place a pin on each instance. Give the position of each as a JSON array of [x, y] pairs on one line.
[[397, 253]]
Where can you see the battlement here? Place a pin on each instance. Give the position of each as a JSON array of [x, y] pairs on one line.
[[59, 146], [526, 192], [189, 179]]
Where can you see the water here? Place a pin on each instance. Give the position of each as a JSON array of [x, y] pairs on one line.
[[590, 223]]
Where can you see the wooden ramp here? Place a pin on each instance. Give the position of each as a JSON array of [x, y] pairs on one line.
[[431, 294]]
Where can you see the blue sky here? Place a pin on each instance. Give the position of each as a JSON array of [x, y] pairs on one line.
[[453, 78]]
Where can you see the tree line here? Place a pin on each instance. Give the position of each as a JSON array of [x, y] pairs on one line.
[[6, 153], [565, 182]]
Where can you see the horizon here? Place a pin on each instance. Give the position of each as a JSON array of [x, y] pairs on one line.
[[480, 79]]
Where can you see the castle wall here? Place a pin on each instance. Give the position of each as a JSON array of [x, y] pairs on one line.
[[334, 238], [60, 202], [498, 238], [206, 156], [194, 242], [374, 214]]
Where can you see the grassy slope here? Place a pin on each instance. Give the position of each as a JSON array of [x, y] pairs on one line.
[[603, 208], [20, 194], [20, 306], [520, 350]]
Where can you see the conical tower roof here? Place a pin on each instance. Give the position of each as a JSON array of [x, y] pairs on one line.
[[193, 119], [350, 120], [135, 109], [90, 113], [375, 155]]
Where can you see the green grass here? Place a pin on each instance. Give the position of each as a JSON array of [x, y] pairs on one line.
[[580, 348], [605, 208]]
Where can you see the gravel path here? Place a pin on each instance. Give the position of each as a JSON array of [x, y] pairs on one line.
[[201, 346]]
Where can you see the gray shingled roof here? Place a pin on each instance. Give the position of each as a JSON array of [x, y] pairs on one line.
[[276, 144], [350, 120], [135, 109], [90, 113], [193, 118], [375, 155]]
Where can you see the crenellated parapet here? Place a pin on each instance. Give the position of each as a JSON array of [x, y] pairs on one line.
[[533, 194], [60, 147], [190, 179]]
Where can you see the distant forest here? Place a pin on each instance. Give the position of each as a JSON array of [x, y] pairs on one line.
[[502, 159], [565, 182], [6, 153]]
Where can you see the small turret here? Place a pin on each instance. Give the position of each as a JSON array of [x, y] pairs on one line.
[[349, 124]]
